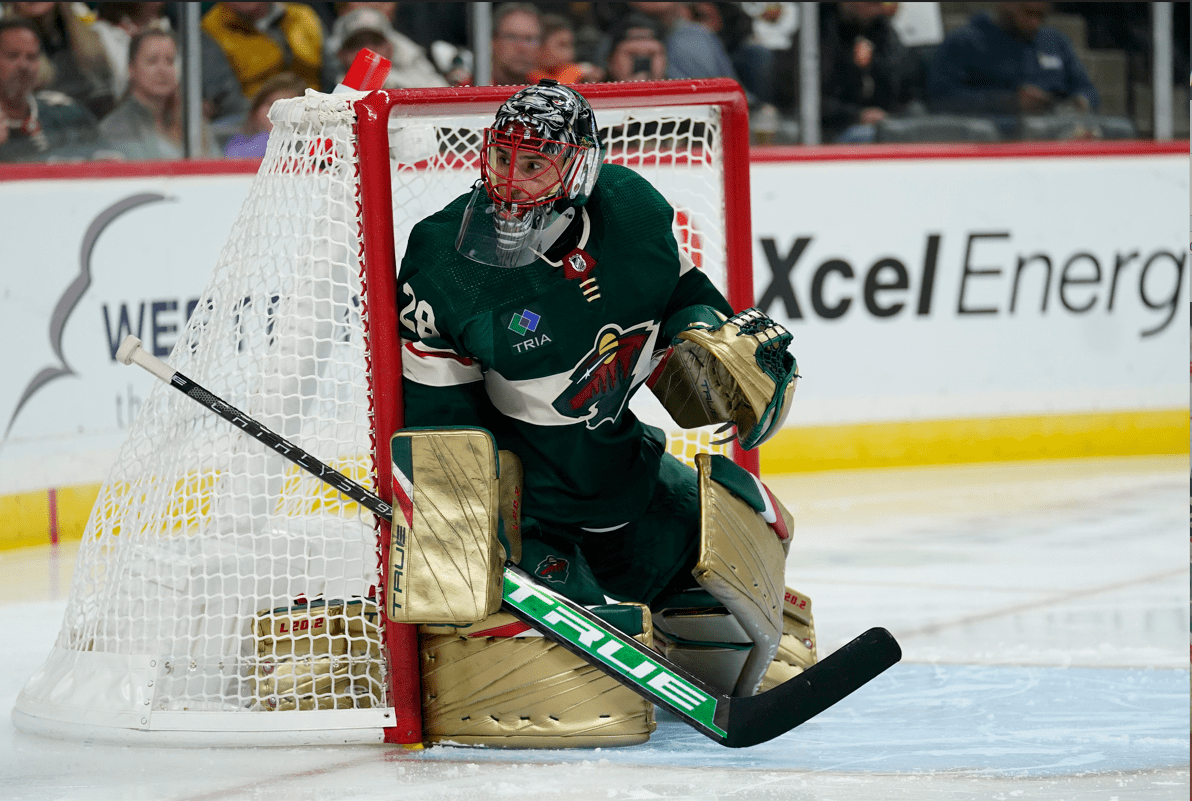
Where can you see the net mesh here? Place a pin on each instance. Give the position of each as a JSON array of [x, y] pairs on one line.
[[245, 583]]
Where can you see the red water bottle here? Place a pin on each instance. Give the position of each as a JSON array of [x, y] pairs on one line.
[[368, 72]]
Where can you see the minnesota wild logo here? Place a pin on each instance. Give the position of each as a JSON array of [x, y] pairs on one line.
[[600, 383], [552, 569]]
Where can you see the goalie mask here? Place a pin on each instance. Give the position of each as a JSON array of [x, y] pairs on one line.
[[540, 158]]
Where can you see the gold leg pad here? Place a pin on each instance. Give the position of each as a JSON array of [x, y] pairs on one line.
[[522, 692], [445, 560], [316, 656], [510, 482], [796, 649], [742, 564]]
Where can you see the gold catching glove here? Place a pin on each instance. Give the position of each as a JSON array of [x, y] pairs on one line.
[[738, 372]]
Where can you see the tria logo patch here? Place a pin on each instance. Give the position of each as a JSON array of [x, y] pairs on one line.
[[552, 569], [524, 323], [525, 329], [601, 382]]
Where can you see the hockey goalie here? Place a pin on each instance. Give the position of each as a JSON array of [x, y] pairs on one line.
[[534, 307]]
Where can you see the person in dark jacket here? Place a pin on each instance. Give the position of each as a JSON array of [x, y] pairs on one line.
[[1009, 64], [865, 70]]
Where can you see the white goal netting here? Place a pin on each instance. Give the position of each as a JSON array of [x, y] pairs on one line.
[[220, 592]]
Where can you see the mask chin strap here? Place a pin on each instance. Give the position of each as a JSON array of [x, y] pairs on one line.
[[556, 230]]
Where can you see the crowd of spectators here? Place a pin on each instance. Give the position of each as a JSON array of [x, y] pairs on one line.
[[102, 80]]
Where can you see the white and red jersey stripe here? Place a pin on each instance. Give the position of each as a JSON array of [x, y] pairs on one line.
[[437, 367]]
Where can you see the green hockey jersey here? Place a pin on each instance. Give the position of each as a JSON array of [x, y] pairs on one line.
[[547, 356]]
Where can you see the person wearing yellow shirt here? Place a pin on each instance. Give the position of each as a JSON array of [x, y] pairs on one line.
[[264, 39]]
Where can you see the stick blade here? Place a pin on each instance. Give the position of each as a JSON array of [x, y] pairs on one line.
[[756, 719]]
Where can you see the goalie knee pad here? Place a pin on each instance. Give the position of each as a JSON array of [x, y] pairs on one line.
[[500, 684], [744, 534], [697, 632], [445, 558]]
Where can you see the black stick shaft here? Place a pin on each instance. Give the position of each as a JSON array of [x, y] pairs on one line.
[[261, 434]]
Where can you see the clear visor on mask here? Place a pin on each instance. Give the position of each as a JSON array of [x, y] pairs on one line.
[[502, 235]]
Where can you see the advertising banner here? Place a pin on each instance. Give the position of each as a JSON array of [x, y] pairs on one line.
[[936, 304], [920, 289], [95, 260], [973, 309]]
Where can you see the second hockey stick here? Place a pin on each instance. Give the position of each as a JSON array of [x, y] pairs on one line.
[[731, 721]]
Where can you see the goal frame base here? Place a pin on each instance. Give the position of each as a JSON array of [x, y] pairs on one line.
[[218, 730]]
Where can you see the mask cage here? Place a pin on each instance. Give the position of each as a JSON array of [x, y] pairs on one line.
[[501, 185]]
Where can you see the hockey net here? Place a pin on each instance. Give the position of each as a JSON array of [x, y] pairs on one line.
[[223, 596]]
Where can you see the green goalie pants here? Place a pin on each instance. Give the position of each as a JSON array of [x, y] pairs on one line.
[[636, 562]]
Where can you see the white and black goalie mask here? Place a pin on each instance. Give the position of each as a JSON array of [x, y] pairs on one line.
[[541, 156]]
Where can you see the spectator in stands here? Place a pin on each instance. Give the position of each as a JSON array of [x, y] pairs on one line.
[[251, 142], [584, 25], [429, 22], [774, 24], [36, 126], [369, 25], [638, 49], [115, 25], [148, 122], [264, 39], [753, 62], [517, 35], [865, 72], [223, 102], [1009, 64], [556, 55], [692, 50], [78, 62]]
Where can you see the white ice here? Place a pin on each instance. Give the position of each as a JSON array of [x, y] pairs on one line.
[[1042, 608]]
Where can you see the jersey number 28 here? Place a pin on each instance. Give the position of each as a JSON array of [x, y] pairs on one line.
[[418, 316]]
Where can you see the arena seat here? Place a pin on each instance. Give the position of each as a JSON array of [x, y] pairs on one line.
[[1075, 126], [936, 128]]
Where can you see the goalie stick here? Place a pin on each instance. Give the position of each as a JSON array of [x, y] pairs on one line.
[[734, 722]]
